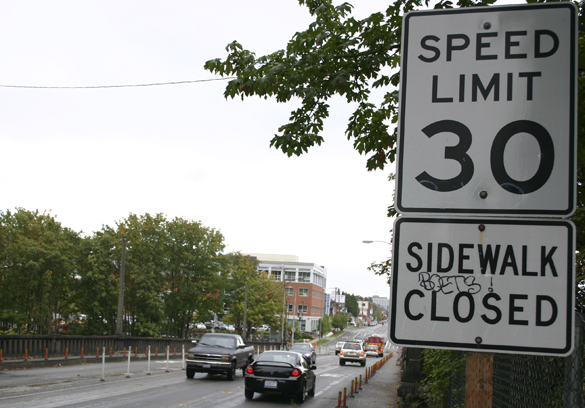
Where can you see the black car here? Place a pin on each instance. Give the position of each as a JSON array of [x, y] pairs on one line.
[[281, 372], [306, 350]]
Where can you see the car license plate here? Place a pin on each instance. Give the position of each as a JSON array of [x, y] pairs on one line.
[[206, 366], [270, 384]]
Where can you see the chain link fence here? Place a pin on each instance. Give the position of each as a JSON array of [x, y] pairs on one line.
[[522, 381]]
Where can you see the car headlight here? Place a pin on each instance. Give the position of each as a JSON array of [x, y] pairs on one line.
[[190, 356], [225, 359]]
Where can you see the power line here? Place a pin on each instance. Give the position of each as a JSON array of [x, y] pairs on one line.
[[116, 86]]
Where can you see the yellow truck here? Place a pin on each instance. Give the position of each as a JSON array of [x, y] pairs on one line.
[[374, 345]]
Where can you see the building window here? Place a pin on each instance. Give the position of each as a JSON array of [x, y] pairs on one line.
[[304, 276], [290, 291], [303, 308], [290, 276], [276, 275], [290, 309], [303, 292]]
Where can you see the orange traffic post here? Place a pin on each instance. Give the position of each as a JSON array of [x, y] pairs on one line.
[[124, 351], [339, 400], [351, 390], [136, 351], [111, 351], [0, 355], [156, 351], [361, 382], [344, 397], [174, 351], [46, 353], [355, 391], [98, 353], [66, 353], [82, 352], [26, 355]]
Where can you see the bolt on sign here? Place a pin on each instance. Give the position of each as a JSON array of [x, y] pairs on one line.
[[486, 284], [488, 111]]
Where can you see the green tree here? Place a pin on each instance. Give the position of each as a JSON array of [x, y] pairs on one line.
[[351, 303], [97, 286], [339, 321], [38, 258], [192, 274], [264, 301], [171, 273]]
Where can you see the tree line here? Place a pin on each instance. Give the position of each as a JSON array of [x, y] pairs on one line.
[[176, 274]]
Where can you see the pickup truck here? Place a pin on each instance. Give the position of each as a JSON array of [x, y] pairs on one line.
[[219, 353]]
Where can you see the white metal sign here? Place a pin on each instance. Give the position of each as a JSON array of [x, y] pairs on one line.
[[492, 285], [487, 111]]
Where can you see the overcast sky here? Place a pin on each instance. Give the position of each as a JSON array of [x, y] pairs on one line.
[[93, 156]]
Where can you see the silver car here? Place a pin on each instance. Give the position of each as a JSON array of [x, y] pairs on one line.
[[338, 346], [352, 352]]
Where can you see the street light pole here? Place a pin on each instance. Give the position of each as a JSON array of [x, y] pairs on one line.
[[389, 286], [283, 307]]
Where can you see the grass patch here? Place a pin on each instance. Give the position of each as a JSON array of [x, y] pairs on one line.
[[336, 335], [322, 342]]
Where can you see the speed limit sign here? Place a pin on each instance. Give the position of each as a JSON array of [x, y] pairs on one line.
[[488, 111]]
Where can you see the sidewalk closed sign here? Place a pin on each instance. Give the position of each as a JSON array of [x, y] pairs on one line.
[[492, 285], [488, 111]]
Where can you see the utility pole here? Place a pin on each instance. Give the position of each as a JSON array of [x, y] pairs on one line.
[[283, 306], [246, 313], [120, 318], [294, 324]]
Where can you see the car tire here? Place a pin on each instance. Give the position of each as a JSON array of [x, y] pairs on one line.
[[312, 392], [231, 374], [363, 363], [248, 394], [341, 362], [302, 395], [190, 372]]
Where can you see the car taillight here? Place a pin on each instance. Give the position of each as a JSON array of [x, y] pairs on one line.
[[296, 372], [340, 351], [249, 370], [362, 353]]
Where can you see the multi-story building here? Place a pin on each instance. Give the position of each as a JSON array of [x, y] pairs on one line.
[[382, 302], [364, 311], [304, 284]]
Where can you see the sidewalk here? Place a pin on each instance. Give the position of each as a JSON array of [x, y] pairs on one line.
[[11, 364], [380, 391]]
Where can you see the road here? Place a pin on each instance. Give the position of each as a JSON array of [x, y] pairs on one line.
[[166, 386]]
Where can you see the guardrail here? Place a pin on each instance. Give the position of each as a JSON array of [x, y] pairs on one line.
[[24, 346]]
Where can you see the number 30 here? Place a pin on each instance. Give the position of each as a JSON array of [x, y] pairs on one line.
[[459, 154]]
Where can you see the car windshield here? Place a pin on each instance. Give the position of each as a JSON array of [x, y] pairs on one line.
[[301, 346], [352, 346], [289, 358], [217, 341]]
